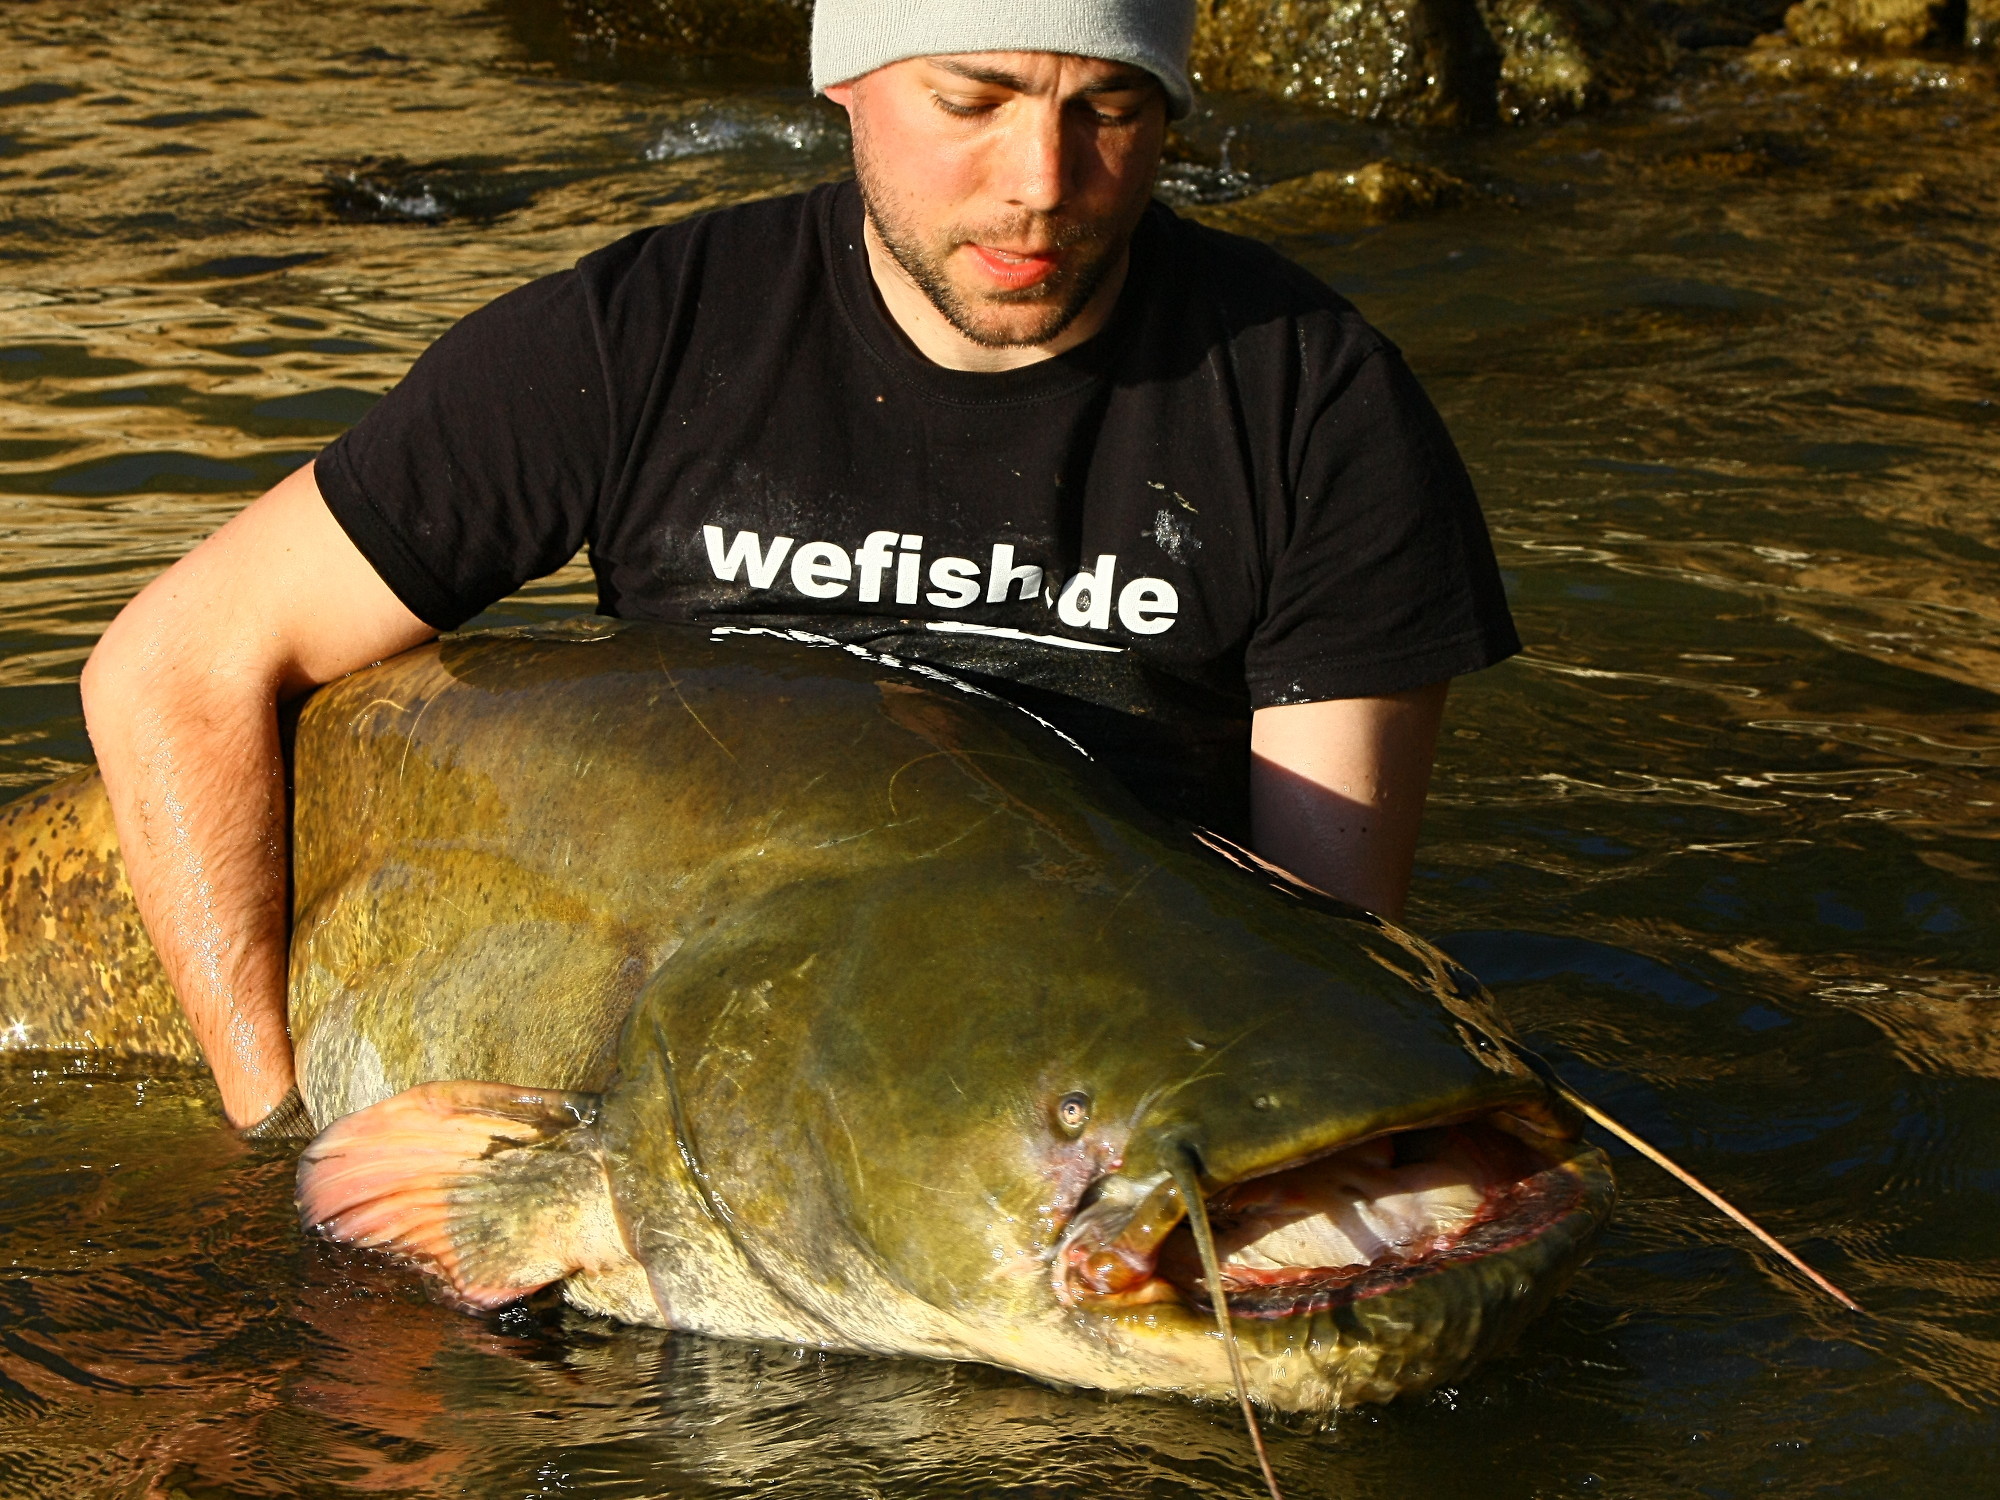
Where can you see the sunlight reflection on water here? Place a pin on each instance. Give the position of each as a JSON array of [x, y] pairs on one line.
[[1725, 368]]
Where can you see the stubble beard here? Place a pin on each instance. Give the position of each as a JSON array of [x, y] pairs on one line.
[[1061, 297]]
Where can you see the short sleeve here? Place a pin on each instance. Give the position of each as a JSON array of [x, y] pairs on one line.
[[1385, 579], [483, 468]]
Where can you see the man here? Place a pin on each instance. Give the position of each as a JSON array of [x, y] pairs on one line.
[[991, 406]]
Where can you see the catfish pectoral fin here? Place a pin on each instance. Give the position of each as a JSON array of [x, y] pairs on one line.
[[497, 1190]]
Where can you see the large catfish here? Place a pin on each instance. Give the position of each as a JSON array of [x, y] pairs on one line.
[[777, 991]]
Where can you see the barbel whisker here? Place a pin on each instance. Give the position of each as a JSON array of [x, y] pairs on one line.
[[1667, 1164], [1187, 1177]]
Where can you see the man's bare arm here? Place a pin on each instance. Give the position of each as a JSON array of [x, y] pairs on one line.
[[181, 697], [1337, 791]]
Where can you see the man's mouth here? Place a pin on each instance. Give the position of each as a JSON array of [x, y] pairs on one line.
[[1332, 1228], [1014, 270]]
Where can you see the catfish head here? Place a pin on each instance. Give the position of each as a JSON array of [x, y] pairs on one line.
[[970, 1096]]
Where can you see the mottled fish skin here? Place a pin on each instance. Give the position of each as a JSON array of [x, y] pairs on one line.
[[813, 945], [77, 972]]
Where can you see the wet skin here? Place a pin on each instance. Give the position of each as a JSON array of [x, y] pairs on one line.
[[771, 992]]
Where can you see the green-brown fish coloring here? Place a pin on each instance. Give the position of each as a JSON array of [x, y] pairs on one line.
[[781, 992]]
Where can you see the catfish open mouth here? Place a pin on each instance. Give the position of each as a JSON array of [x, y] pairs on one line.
[[1334, 1227]]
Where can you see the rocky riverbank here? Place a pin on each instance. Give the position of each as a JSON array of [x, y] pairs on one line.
[[1410, 62], [1923, 43], [1432, 62]]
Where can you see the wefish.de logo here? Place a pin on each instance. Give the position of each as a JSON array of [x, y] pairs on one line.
[[894, 560]]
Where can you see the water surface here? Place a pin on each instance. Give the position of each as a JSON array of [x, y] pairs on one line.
[[1725, 365]]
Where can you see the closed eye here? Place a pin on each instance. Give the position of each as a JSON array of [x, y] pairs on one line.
[[963, 110]]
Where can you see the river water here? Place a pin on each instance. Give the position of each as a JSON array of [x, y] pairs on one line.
[[1726, 365]]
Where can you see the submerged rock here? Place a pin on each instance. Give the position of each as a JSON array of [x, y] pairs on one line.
[[1905, 73], [1398, 190], [1381, 190], [1375, 193], [390, 190]]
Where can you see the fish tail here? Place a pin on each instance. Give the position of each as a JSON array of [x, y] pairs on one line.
[[77, 972]]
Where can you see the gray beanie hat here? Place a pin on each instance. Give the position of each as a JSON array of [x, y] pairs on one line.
[[852, 37]]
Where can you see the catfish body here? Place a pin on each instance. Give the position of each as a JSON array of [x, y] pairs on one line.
[[756, 987]]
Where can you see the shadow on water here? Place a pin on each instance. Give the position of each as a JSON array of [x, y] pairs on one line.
[[1724, 364]]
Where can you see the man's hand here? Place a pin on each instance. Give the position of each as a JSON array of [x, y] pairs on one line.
[[181, 697], [1337, 791]]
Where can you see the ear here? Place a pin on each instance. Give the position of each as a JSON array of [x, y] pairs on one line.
[[842, 94], [497, 1190]]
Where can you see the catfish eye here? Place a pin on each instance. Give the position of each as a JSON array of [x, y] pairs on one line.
[[1073, 1112]]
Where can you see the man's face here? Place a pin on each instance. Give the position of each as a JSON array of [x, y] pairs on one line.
[[1006, 184]]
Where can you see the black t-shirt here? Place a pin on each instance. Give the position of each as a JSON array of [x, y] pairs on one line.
[[1234, 496]]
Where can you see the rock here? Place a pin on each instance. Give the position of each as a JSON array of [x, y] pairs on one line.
[[1746, 156], [1876, 25], [1431, 62], [1423, 62], [1907, 44], [1375, 193], [1560, 56], [1384, 189], [770, 31], [1775, 58], [1409, 62]]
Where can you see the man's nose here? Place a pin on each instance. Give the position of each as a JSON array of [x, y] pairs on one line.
[[1036, 159]]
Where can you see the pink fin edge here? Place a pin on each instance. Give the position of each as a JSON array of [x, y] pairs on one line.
[[384, 1177]]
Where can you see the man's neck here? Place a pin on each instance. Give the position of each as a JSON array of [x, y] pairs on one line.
[[939, 341]]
